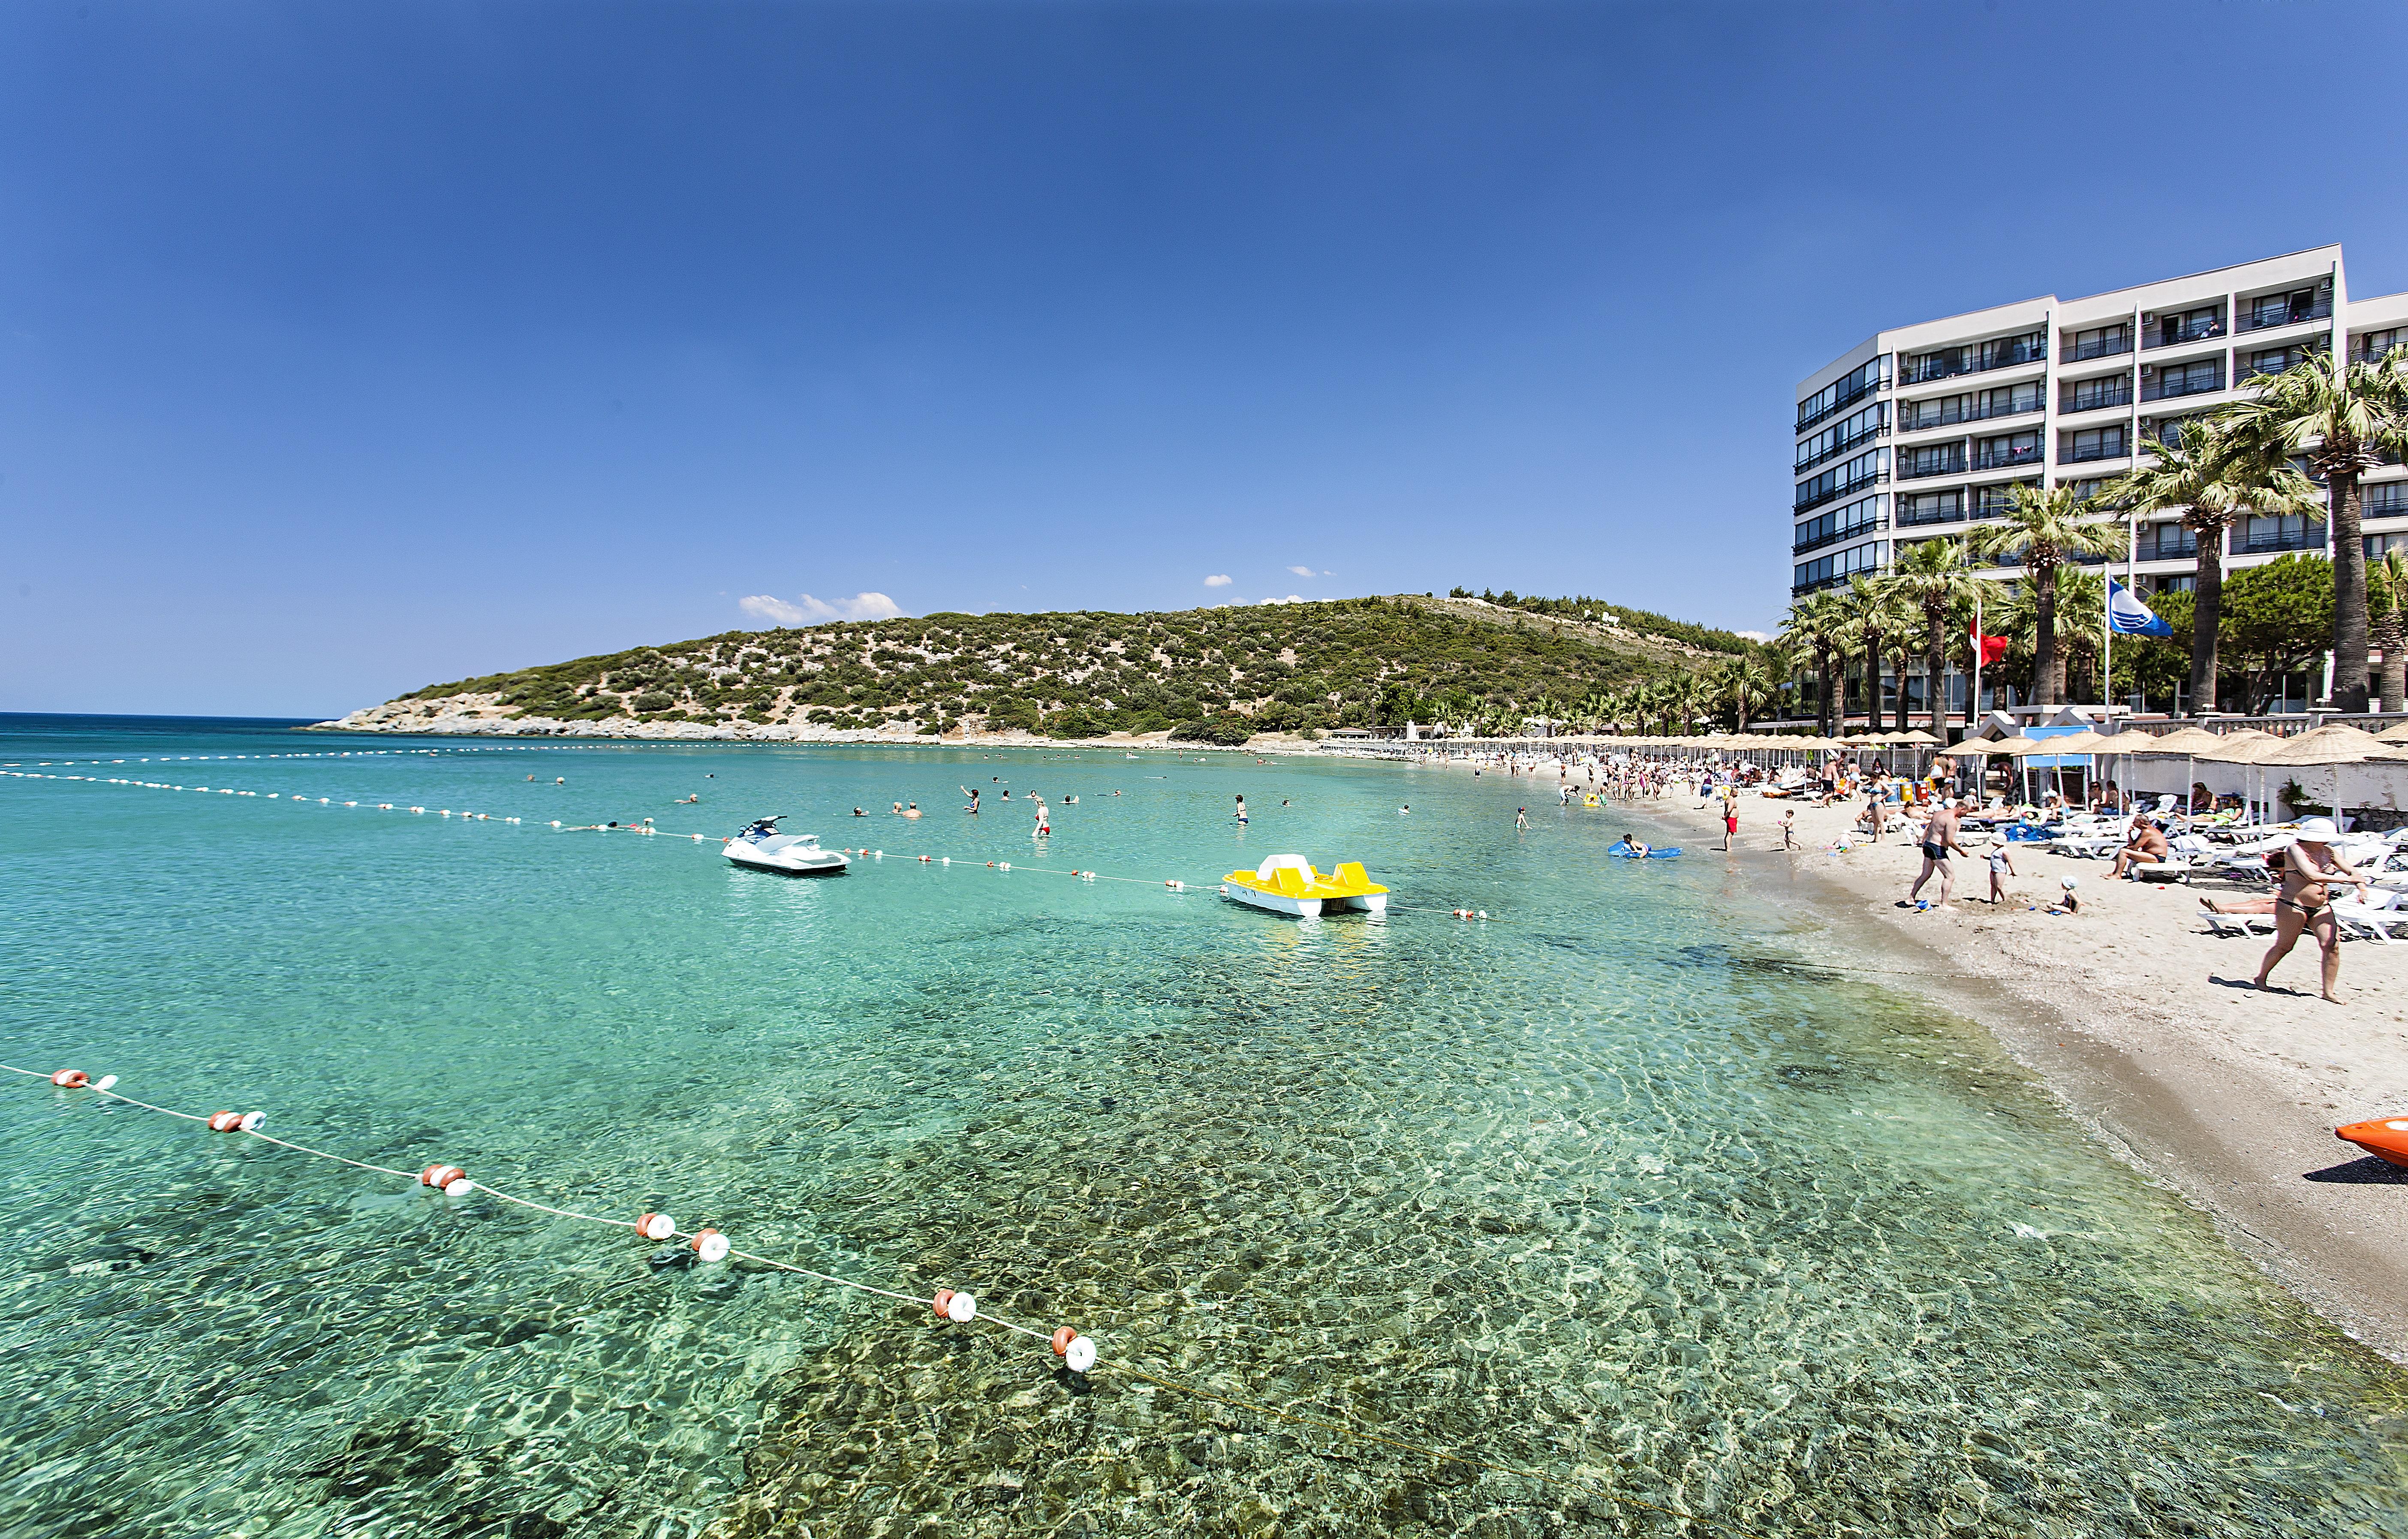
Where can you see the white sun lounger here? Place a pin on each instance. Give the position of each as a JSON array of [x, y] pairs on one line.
[[2237, 924]]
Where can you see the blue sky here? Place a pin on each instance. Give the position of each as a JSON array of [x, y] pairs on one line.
[[350, 347]]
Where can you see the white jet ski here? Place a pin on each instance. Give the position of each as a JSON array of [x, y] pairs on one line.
[[765, 849]]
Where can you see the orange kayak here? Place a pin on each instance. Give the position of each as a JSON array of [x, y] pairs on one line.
[[2387, 1138]]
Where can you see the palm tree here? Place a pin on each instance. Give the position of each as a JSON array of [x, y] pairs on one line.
[[1873, 618], [1742, 683], [2213, 477], [2043, 529], [2386, 591], [1817, 626], [1935, 576], [2343, 416]]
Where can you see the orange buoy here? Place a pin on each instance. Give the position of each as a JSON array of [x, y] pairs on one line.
[[655, 1226], [2385, 1136], [71, 1079], [451, 1180], [224, 1122], [711, 1245], [1062, 1339]]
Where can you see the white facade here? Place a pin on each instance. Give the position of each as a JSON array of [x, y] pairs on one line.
[[1918, 432]]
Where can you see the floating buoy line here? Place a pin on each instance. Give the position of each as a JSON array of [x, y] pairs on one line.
[[325, 753], [1077, 1351], [644, 829]]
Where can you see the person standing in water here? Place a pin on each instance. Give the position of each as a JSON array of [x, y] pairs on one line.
[[1521, 817], [1241, 809], [1043, 827]]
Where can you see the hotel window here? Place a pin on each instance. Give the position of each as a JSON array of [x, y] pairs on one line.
[[2097, 394], [1993, 501], [2376, 545], [2012, 401], [2374, 344], [2276, 360], [2007, 449], [2190, 326], [2263, 532], [1931, 508], [2099, 342], [2195, 378], [1932, 459], [2166, 542], [2095, 443], [1825, 571]]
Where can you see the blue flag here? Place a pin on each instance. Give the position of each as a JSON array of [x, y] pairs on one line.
[[2127, 616]]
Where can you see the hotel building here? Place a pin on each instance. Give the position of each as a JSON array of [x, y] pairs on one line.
[[1920, 432]]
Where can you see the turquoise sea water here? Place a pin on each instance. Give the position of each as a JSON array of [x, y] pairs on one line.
[[1605, 1187]]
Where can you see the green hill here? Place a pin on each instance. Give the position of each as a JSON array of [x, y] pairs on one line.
[[1281, 667]]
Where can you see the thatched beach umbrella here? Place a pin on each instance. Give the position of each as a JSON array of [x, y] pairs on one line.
[[2190, 742], [2329, 748], [2246, 746], [2394, 734]]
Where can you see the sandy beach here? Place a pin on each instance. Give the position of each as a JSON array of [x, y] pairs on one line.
[[2141, 1021]]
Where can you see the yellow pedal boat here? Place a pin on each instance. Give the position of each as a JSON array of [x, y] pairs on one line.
[[1287, 884]]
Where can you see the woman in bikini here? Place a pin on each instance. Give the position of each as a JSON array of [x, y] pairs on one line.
[[2310, 871]]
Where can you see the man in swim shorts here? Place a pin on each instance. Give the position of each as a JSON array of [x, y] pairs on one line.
[[1938, 837]]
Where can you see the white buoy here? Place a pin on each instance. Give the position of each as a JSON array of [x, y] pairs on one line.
[[710, 1245], [656, 1226], [1080, 1355], [105, 1082], [962, 1308]]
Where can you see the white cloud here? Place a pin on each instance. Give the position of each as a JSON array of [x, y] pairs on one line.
[[1218, 579], [1301, 571], [1756, 636], [1291, 598], [808, 611]]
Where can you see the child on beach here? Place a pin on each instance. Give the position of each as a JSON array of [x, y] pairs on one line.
[[2001, 866], [1789, 828]]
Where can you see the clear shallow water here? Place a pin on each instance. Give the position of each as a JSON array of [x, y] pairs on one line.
[[1591, 1189]]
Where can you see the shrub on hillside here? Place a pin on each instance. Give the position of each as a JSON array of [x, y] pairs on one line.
[[1225, 730]]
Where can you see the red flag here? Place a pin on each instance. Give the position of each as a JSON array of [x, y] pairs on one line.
[[1993, 647]]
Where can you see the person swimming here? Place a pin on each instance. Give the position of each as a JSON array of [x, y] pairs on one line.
[[912, 811], [859, 812]]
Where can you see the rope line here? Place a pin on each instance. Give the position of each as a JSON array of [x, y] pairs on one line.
[[417, 1178], [1342, 1428], [328, 754], [1175, 884]]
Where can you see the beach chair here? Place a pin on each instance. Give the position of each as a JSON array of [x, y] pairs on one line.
[[2237, 924], [2374, 921]]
